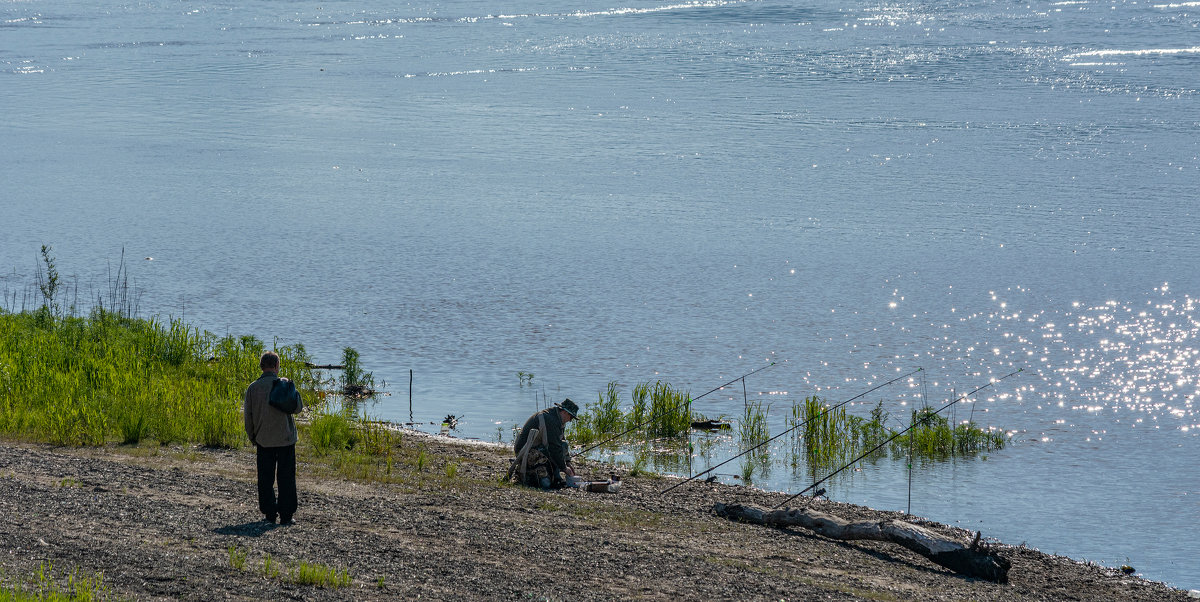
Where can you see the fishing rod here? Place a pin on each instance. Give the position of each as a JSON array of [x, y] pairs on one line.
[[893, 437], [667, 411], [826, 411]]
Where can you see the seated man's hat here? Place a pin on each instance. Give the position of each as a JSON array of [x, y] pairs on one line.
[[568, 406]]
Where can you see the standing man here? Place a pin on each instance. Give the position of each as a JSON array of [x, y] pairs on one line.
[[540, 460], [273, 432]]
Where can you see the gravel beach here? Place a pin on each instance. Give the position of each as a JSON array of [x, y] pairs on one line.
[[171, 522]]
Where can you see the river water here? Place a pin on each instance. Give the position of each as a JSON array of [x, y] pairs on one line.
[[647, 190]]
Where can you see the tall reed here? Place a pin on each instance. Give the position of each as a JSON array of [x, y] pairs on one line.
[[637, 413], [752, 429], [670, 411], [829, 434], [606, 415]]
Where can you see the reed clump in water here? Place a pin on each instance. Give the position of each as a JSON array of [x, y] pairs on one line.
[[657, 411], [829, 436], [670, 411], [752, 428], [933, 437], [355, 381]]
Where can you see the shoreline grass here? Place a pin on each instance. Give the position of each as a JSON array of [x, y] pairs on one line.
[[88, 381], [110, 376], [71, 380]]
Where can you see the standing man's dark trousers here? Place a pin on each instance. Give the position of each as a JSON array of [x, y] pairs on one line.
[[277, 463]]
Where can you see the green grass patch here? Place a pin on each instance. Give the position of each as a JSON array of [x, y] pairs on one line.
[[331, 432], [109, 377], [270, 567], [81, 380], [237, 557], [46, 586], [320, 575]]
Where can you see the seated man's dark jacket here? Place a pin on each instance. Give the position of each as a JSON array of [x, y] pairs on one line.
[[556, 449]]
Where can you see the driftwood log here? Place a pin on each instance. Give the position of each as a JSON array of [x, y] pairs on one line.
[[973, 560]]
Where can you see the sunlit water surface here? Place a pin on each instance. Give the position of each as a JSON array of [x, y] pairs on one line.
[[676, 191]]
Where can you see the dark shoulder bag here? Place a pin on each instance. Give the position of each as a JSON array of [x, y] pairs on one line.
[[284, 396]]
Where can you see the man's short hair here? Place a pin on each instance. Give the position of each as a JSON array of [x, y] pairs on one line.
[[268, 361]]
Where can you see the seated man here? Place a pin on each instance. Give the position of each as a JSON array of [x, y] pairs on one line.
[[542, 451]]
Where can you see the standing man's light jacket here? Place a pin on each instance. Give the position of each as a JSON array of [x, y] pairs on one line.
[[265, 425]]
